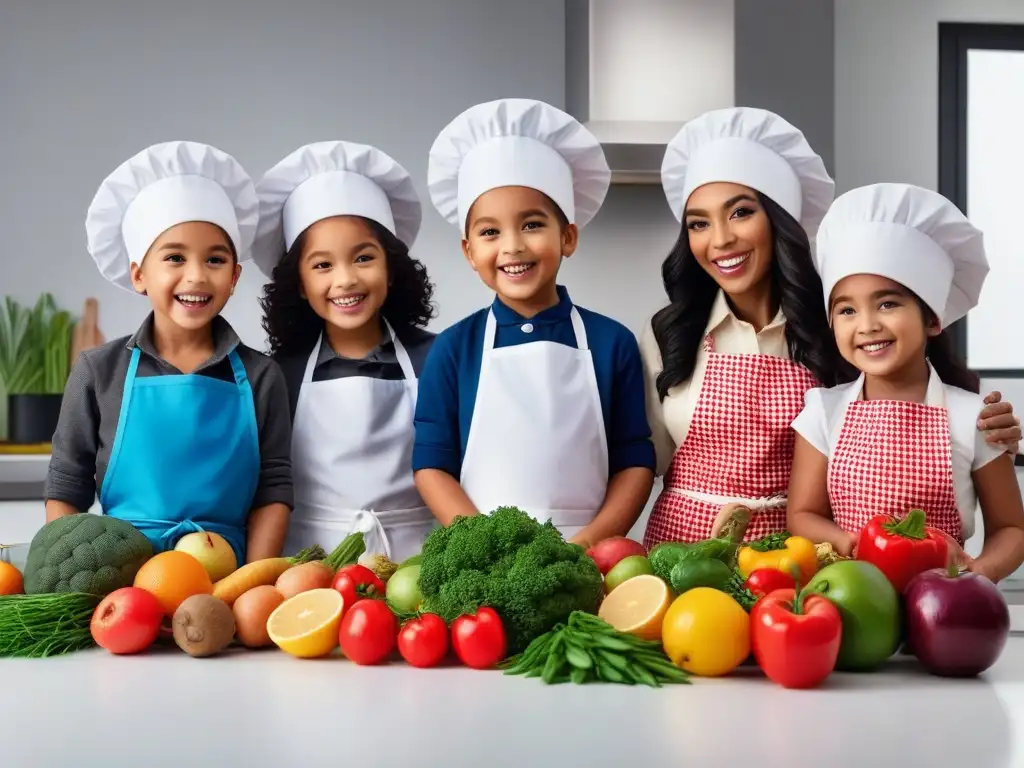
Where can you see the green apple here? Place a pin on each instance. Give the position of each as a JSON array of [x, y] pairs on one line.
[[869, 608], [626, 569]]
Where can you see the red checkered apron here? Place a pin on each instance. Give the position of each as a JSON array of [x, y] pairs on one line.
[[892, 456], [739, 448]]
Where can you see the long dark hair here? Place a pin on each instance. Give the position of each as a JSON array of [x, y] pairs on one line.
[[679, 328], [291, 324], [941, 353]]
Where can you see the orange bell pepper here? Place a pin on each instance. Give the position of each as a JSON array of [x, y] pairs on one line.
[[797, 552]]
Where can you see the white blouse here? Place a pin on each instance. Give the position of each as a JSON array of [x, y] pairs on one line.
[[821, 421], [670, 419]]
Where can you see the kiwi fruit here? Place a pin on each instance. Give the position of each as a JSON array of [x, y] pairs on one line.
[[203, 625]]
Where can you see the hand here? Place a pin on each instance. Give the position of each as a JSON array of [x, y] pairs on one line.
[[581, 540], [957, 554], [847, 546], [981, 569], [999, 424]]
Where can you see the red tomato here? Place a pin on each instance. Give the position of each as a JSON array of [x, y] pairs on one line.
[[126, 621], [423, 641], [795, 644], [479, 639], [766, 580], [357, 582], [368, 631]]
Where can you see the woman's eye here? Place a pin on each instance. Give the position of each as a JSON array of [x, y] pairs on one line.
[[742, 213], [696, 225]]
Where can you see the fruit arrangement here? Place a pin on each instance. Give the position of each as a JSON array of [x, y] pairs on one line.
[[505, 591]]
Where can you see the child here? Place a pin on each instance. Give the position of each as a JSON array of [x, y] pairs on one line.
[[180, 426], [345, 313], [531, 402], [899, 264]]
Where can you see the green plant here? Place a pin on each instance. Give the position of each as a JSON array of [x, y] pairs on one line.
[[35, 347]]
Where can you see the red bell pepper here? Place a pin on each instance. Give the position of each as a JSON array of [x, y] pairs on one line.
[[795, 638], [766, 580], [901, 549]]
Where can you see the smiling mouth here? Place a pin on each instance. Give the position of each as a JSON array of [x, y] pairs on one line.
[[732, 263], [874, 347], [347, 302], [518, 269], [193, 300]]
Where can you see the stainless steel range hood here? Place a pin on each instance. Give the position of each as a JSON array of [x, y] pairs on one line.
[[637, 70]]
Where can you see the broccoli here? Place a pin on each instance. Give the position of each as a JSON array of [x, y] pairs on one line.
[[521, 568]]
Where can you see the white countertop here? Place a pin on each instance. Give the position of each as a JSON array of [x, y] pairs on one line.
[[267, 709]]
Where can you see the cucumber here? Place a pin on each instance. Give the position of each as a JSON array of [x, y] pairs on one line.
[[692, 572]]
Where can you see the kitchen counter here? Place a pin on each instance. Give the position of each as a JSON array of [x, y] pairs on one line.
[[268, 709]]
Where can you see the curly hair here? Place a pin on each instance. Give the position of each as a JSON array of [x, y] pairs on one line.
[[290, 323], [679, 327]]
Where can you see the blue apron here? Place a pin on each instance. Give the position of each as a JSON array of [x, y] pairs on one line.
[[186, 456]]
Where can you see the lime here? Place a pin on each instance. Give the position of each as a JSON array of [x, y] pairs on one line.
[[626, 569]]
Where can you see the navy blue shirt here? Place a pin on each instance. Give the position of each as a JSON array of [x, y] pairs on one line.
[[448, 384]]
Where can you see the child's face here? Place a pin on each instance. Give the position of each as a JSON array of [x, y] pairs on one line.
[[188, 273], [343, 271], [879, 325], [730, 235], [515, 242]]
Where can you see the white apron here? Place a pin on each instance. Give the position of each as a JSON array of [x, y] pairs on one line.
[[352, 444], [537, 440]]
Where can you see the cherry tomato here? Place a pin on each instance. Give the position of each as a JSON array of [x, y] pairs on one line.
[[357, 582], [479, 639], [368, 631], [764, 581], [423, 641]]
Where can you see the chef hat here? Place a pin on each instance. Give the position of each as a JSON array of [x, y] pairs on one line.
[[911, 235], [517, 143], [332, 178], [163, 186], [752, 147]]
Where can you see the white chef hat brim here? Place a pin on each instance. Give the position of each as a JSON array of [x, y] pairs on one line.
[[911, 235], [517, 142], [754, 148], [327, 179], [163, 186]]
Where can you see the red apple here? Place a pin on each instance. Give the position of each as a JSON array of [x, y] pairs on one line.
[[609, 552], [957, 623], [127, 621]]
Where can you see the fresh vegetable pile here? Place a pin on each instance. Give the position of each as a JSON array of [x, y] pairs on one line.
[[507, 561]]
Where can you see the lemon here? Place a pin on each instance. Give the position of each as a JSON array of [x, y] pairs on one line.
[[706, 632], [637, 606], [306, 625]]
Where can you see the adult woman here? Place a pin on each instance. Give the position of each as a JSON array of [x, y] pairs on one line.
[[745, 334]]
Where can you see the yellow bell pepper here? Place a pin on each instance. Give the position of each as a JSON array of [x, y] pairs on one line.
[[798, 552]]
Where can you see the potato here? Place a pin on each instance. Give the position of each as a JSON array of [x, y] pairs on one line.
[[303, 578], [203, 625], [251, 612]]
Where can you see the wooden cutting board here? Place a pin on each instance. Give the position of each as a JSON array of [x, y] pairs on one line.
[[87, 334]]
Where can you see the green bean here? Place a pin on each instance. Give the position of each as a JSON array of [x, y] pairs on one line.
[[556, 658], [610, 674], [579, 676]]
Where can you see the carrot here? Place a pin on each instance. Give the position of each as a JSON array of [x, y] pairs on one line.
[[261, 573]]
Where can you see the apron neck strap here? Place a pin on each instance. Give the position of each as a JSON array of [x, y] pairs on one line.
[[404, 361]]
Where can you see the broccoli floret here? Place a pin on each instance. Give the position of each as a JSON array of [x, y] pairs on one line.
[[512, 563]]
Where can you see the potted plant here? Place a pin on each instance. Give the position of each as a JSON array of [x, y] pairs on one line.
[[35, 359]]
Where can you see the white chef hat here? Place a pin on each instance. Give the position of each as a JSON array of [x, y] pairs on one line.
[[163, 186], [752, 147], [332, 178], [522, 143], [913, 236]]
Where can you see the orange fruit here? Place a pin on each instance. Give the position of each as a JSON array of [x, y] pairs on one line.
[[172, 577], [706, 632], [306, 625], [638, 606], [11, 582]]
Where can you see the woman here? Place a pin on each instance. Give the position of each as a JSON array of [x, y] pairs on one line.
[[345, 313], [745, 334]]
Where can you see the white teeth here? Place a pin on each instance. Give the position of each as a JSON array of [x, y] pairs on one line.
[[875, 347], [348, 301], [733, 262], [516, 269], [191, 298]]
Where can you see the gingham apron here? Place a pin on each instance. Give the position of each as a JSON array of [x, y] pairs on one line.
[[739, 448], [892, 456]]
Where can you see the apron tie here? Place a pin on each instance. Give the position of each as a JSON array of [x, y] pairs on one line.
[[367, 523]]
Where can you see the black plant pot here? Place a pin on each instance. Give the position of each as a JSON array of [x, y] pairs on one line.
[[32, 419]]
